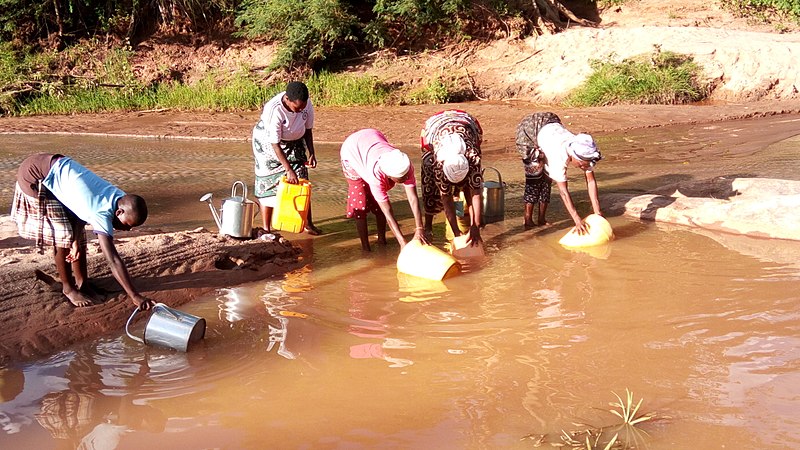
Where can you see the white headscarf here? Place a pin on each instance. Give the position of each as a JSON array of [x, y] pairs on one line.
[[583, 147], [394, 163], [455, 168], [450, 152]]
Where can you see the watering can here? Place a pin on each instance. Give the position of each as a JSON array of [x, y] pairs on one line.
[[170, 328], [237, 213], [494, 198]]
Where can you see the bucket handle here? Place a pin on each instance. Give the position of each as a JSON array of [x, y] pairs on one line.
[[127, 324], [244, 190], [499, 177], [136, 310]]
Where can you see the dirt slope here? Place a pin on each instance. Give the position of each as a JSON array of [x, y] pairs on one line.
[[743, 60]]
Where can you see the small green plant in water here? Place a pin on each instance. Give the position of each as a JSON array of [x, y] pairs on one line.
[[656, 78], [627, 434], [626, 411]]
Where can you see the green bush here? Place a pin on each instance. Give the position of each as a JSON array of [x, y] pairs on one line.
[[763, 9], [409, 20], [308, 30], [435, 91], [87, 101], [658, 78]]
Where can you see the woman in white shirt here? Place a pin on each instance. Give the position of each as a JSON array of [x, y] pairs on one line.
[[556, 148], [280, 140]]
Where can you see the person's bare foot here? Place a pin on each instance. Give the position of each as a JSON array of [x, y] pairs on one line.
[[381, 241], [77, 299], [528, 224]]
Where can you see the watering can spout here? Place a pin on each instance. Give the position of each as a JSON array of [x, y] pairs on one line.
[[207, 198]]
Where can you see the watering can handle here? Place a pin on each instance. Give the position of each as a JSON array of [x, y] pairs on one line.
[[244, 189], [499, 177]]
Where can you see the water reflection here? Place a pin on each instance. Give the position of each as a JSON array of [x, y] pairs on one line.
[[344, 353], [93, 414]]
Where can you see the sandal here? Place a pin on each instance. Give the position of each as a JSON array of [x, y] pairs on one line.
[[312, 230]]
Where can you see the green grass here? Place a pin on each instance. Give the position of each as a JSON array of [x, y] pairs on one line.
[[329, 89], [658, 78], [434, 91], [215, 92], [237, 93], [85, 101]]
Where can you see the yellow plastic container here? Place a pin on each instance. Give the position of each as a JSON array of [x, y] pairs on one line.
[[426, 261], [463, 226], [461, 250], [599, 232], [417, 289], [291, 208]]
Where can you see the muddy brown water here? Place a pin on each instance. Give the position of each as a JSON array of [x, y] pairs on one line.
[[529, 343]]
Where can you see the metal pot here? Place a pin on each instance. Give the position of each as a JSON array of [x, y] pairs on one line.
[[169, 327], [494, 198]]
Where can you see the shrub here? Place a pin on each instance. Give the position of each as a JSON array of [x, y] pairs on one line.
[[763, 9], [658, 78], [435, 91], [308, 30]]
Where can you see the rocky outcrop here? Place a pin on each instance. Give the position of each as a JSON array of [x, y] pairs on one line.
[[755, 207]]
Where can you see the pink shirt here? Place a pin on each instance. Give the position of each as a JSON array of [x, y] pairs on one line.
[[360, 153]]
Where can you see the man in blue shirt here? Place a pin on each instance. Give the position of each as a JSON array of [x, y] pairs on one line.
[[55, 197]]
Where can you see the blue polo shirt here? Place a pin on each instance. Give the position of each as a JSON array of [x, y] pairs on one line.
[[91, 198]]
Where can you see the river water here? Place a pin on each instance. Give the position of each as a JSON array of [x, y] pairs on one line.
[[524, 348]]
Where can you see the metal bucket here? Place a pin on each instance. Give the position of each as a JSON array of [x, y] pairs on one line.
[[169, 327], [494, 198], [238, 213]]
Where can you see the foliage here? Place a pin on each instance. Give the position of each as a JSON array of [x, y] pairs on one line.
[[331, 89], [235, 94], [763, 9], [435, 91], [86, 101], [215, 92], [69, 20], [397, 20], [609, 3], [308, 29], [658, 78]]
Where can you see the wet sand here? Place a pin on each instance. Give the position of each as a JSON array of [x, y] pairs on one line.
[[400, 124]]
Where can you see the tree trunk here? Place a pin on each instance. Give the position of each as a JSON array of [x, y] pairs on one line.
[[548, 17]]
